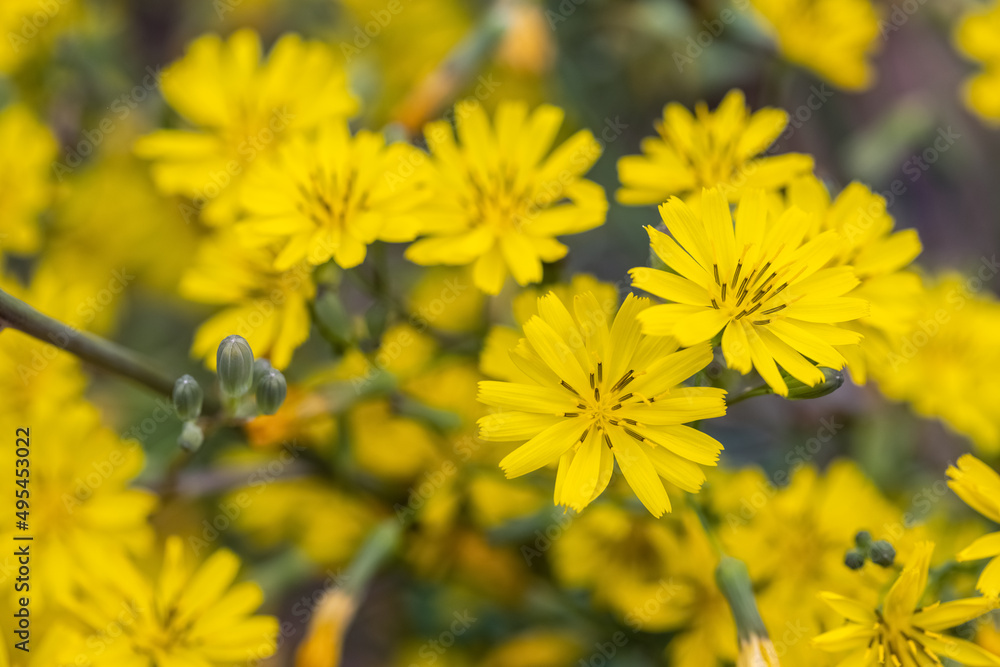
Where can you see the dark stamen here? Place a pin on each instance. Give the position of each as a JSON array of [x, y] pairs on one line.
[[567, 385]]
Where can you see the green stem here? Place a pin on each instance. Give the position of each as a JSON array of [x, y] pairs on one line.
[[96, 351], [713, 539], [381, 544], [762, 390]]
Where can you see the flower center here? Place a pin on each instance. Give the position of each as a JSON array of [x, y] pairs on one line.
[[600, 404], [753, 291], [326, 200]]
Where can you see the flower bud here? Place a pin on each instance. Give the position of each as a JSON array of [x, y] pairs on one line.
[[234, 365], [798, 390], [854, 559], [733, 579], [863, 539], [260, 367], [187, 398], [882, 553], [191, 437], [271, 391]]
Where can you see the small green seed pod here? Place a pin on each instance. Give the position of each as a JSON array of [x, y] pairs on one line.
[[854, 559], [260, 368], [882, 553], [191, 437], [187, 398], [234, 365], [832, 381], [271, 391]]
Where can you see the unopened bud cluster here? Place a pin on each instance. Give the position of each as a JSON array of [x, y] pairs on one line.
[[879, 552]]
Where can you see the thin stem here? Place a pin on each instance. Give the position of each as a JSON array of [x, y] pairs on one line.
[[96, 351], [762, 390]]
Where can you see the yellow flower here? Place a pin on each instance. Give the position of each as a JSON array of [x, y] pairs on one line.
[[834, 38], [288, 511], [113, 217], [900, 632], [30, 27], [597, 397], [268, 307], [879, 257], [975, 37], [979, 486], [332, 195], [709, 149], [954, 343], [187, 615], [24, 174], [240, 108], [760, 282], [500, 196], [793, 538], [81, 506], [626, 561]]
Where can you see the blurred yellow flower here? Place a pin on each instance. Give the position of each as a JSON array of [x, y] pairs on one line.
[[709, 149], [879, 257], [29, 27], [77, 482], [240, 107], [331, 195], [761, 282], [976, 37], [268, 307], [902, 633], [25, 175], [793, 539], [626, 560], [500, 196], [979, 486], [279, 511], [598, 397], [834, 38], [953, 343], [188, 614]]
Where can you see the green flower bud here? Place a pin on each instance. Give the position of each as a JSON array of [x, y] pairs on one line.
[[863, 539], [191, 437], [854, 559], [797, 390], [271, 392], [187, 398], [260, 367], [882, 553], [234, 365]]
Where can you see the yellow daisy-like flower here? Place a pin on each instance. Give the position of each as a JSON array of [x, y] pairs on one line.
[[242, 107], [834, 38], [720, 148], [879, 257], [269, 308], [979, 486], [25, 188], [187, 615], [501, 196], [901, 633], [954, 343], [332, 195], [77, 486], [600, 395], [758, 281], [976, 37]]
